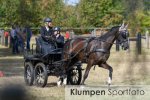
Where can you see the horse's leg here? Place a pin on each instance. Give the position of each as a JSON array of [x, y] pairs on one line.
[[65, 76], [106, 66], [89, 65], [60, 81]]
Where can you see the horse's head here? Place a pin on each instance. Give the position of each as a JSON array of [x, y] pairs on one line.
[[123, 36]]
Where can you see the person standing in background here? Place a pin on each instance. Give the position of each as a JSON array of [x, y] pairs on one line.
[[1, 36], [6, 34], [21, 37], [67, 35], [14, 40], [28, 33]]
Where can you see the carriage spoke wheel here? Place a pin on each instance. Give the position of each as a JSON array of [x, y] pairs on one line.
[[28, 73], [75, 76], [40, 75]]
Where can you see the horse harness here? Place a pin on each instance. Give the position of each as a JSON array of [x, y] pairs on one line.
[[87, 41]]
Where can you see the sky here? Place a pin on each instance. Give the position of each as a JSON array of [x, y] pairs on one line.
[[72, 2]]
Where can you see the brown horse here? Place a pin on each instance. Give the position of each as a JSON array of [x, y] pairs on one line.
[[95, 51]]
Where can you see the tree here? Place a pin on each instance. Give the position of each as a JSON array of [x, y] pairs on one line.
[[21, 12], [70, 16], [53, 9], [88, 13], [100, 12], [27, 12], [8, 8], [138, 15]]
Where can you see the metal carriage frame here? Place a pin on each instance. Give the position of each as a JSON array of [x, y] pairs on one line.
[[38, 67]]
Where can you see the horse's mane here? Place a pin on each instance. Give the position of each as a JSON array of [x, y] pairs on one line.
[[108, 33], [114, 28], [103, 36]]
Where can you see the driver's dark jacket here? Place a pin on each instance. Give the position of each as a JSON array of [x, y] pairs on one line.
[[45, 33], [46, 45]]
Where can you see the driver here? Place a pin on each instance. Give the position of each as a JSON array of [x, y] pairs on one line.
[[47, 30], [44, 44]]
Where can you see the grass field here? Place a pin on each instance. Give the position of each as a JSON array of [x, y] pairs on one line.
[[129, 68]]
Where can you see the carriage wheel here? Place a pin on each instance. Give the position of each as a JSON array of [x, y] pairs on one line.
[[74, 76], [40, 75], [28, 73]]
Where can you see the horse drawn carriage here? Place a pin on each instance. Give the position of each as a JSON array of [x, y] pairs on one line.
[[93, 51], [38, 66]]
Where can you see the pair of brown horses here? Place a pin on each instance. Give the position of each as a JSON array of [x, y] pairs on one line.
[[95, 51]]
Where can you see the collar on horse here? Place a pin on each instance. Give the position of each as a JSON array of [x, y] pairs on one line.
[[95, 48]]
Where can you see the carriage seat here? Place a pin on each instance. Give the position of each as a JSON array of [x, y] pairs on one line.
[[44, 47]]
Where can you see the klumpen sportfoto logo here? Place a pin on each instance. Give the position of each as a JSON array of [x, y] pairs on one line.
[[108, 93], [111, 92]]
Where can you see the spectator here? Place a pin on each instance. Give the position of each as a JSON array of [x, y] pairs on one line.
[[1, 36], [28, 33], [6, 34], [14, 40], [1, 74], [72, 35], [20, 36], [67, 35]]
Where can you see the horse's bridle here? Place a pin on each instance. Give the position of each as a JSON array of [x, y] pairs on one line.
[[113, 43], [104, 50]]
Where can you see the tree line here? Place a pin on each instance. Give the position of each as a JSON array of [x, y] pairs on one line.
[[87, 13]]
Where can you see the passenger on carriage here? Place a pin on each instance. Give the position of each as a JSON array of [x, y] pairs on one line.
[[58, 37]]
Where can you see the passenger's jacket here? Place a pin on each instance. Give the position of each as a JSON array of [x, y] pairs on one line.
[[60, 41]]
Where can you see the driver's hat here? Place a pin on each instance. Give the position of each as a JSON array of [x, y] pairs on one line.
[[47, 20]]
